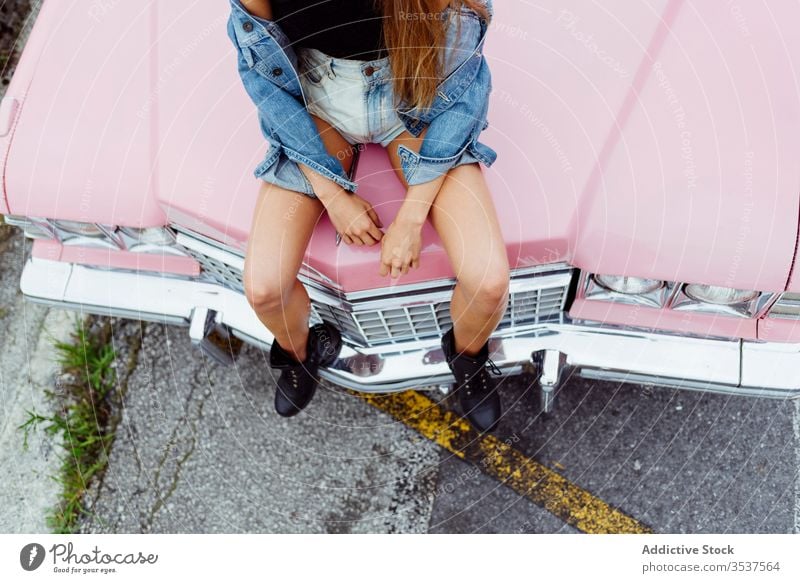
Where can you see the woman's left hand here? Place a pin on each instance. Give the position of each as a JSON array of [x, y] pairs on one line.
[[400, 248]]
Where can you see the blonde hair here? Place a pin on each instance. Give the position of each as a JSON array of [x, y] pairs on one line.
[[415, 32]]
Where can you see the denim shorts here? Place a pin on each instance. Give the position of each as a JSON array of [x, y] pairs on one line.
[[354, 96]]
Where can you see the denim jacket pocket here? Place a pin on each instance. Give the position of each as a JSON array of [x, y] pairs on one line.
[[307, 69]]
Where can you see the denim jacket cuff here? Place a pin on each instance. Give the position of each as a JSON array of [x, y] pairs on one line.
[[419, 169], [345, 183]]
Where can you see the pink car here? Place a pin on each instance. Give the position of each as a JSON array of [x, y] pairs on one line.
[[647, 186]]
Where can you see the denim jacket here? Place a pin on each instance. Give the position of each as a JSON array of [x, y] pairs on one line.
[[454, 121]]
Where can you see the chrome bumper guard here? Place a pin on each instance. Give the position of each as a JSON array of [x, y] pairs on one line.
[[548, 349]]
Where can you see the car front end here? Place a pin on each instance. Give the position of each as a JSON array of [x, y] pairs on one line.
[[392, 334]]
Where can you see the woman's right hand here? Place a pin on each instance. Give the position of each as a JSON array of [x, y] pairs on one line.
[[354, 218]]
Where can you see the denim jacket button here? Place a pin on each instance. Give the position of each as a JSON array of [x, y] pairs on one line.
[[277, 71], [247, 26]]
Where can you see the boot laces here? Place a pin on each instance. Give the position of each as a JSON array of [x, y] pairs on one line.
[[293, 375], [483, 373], [493, 367]]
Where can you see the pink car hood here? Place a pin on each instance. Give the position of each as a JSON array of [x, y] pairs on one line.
[[653, 138]]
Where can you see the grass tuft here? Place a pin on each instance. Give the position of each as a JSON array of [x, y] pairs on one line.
[[83, 419]]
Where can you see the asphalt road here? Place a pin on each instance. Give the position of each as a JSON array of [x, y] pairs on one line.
[[199, 448], [202, 451]]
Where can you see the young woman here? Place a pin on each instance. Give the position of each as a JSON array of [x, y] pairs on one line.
[[410, 75]]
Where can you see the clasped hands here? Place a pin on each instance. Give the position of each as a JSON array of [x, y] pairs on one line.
[[359, 224]]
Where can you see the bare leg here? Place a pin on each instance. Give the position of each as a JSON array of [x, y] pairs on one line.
[[464, 216], [283, 222]]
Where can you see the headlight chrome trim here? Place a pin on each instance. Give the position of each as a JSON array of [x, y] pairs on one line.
[[111, 237], [672, 295], [591, 288]]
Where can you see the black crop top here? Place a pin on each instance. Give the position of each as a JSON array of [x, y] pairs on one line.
[[344, 29]]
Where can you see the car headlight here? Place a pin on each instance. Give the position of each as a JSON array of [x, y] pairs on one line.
[[787, 306], [34, 229], [150, 235], [676, 295], [157, 240], [79, 228], [628, 285], [724, 296]]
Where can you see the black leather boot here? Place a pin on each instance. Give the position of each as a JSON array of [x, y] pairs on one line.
[[298, 381], [476, 389]]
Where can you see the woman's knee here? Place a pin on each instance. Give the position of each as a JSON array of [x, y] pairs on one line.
[[276, 246], [264, 294], [487, 289], [265, 289]]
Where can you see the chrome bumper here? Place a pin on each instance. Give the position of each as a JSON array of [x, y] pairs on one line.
[[610, 353]]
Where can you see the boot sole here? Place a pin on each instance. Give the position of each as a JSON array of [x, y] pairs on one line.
[[298, 409]]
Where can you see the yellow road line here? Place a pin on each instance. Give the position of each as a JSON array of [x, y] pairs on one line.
[[498, 459]]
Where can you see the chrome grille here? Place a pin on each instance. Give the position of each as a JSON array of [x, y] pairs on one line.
[[425, 321], [388, 325], [535, 305], [787, 306], [533, 299], [220, 272]]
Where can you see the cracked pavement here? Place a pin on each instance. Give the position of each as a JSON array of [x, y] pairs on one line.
[[199, 449]]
